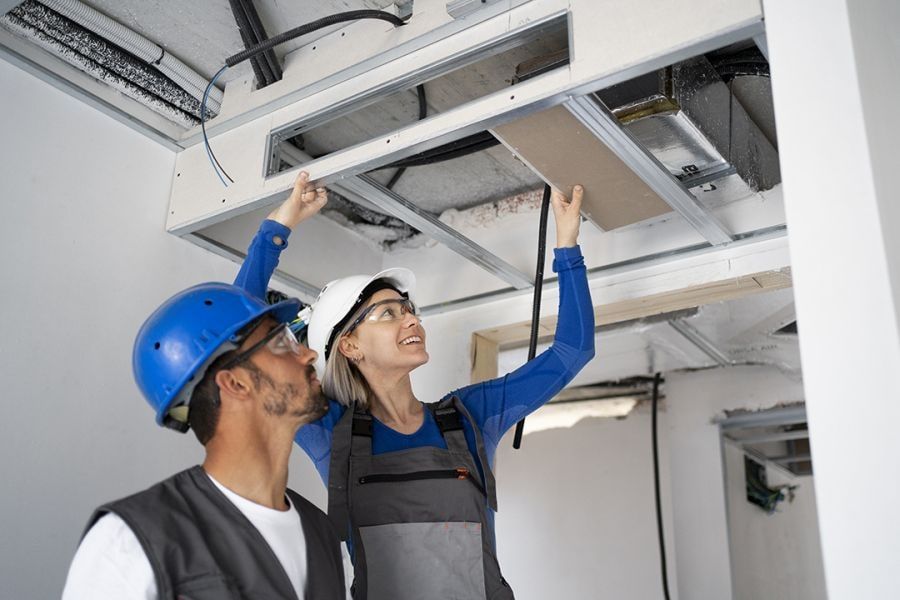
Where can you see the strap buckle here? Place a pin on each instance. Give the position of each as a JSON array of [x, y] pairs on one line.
[[362, 424], [448, 419]]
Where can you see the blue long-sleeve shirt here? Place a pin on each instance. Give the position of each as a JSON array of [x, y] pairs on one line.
[[495, 405]]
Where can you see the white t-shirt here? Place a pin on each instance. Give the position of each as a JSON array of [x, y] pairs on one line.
[[110, 562]]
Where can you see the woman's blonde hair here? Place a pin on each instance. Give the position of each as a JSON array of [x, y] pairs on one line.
[[342, 379]]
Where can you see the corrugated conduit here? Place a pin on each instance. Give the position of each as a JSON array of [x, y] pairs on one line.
[[148, 51]]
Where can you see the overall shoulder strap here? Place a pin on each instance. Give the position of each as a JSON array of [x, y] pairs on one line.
[[449, 421], [490, 484], [339, 474], [361, 430]]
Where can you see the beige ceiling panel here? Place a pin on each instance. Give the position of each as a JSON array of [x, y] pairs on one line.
[[559, 149]]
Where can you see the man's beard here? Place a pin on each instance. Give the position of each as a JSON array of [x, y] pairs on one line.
[[279, 398], [318, 404]]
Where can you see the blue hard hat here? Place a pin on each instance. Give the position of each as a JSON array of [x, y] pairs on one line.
[[187, 333]]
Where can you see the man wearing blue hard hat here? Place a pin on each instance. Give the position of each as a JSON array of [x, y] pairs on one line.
[[223, 363]]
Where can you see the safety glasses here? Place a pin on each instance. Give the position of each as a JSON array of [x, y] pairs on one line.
[[279, 340], [300, 326], [385, 311]]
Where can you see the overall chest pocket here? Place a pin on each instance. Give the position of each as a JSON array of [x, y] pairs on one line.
[[411, 561]]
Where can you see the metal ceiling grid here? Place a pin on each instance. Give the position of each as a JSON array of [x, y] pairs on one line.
[[590, 70], [607, 47]]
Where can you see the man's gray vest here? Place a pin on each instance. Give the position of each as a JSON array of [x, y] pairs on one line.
[[202, 547]]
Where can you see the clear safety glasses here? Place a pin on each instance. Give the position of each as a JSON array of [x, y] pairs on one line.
[[385, 311], [279, 340]]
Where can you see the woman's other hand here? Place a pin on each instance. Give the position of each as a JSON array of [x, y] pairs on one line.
[[567, 216], [305, 201]]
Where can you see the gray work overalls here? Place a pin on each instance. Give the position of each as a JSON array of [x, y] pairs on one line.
[[418, 517]]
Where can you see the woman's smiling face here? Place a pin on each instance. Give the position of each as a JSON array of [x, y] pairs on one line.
[[390, 337]]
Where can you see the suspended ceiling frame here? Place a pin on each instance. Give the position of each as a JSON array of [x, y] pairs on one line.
[[248, 121], [390, 59]]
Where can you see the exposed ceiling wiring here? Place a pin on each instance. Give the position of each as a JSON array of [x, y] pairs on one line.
[[267, 45]]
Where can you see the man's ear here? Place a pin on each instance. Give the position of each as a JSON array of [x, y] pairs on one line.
[[234, 382]]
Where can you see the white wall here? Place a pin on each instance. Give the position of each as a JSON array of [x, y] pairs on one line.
[[577, 516], [695, 454], [839, 164], [777, 555], [84, 259]]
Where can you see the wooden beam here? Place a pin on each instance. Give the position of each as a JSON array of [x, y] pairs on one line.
[[517, 334], [484, 358]]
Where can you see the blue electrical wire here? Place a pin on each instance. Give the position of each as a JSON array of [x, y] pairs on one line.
[[209, 153]]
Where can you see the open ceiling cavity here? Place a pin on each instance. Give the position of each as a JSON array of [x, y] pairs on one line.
[[707, 121], [468, 172]]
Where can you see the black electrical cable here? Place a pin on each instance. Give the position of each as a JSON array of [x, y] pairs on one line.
[[395, 178], [352, 15], [536, 302], [423, 112], [263, 75], [423, 101], [259, 32], [456, 149], [659, 522]]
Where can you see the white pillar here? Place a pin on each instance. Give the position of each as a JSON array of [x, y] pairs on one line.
[[836, 84]]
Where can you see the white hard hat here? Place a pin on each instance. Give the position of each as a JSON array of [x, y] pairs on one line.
[[339, 298]]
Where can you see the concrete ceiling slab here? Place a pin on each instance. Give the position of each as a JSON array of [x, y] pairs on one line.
[[203, 34]]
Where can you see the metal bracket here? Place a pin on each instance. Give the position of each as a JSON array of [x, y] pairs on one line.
[[402, 208], [698, 339], [461, 8], [791, 415], [762, 43], [601, 122], [767, 438]]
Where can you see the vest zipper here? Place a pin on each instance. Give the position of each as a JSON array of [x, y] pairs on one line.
[[460, 473]]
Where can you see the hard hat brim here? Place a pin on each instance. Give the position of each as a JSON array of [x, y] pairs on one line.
[[283, 312]]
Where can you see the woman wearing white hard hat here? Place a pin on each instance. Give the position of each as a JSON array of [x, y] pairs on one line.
[[410, 485]]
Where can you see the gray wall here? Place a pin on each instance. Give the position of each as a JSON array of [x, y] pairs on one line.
[[85, 258]]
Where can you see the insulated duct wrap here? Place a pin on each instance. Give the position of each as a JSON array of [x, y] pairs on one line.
[[140, 46]]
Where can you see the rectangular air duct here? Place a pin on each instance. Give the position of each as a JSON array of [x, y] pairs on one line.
[[685, 116]]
